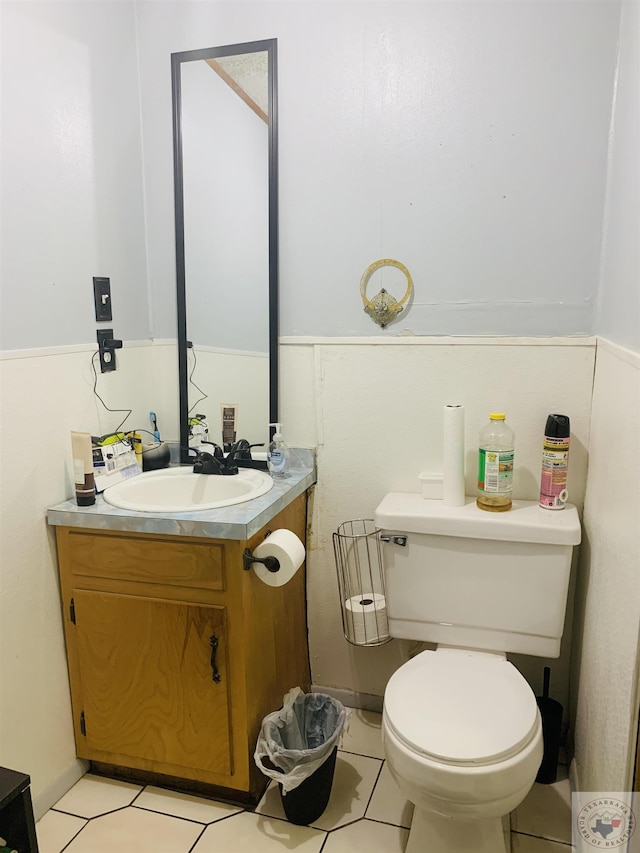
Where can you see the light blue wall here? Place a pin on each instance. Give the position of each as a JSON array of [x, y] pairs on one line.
[[72, 201], [467, 140], [619, 297]]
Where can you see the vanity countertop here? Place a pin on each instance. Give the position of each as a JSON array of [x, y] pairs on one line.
[[239, 521]]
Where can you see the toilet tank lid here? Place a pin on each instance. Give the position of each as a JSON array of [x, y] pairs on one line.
[[526, 521]]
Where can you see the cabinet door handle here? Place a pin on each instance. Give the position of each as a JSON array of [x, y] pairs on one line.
[[213, 642]]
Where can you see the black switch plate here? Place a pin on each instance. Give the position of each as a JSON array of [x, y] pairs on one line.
[[107, 354], [102, 299]]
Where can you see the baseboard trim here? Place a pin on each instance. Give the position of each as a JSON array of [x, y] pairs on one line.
[[351, 698], [59, 787]]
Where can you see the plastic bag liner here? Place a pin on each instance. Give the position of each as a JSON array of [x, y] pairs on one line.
[[296, 740]]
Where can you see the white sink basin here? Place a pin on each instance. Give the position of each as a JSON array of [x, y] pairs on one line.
[[180, 490]]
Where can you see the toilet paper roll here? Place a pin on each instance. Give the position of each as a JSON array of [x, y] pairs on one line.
[[285, 546], [453, 456], [366, 618]]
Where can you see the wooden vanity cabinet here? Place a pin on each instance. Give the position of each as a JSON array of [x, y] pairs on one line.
[[176, 653]]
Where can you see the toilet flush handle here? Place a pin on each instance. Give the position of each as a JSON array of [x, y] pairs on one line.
[[397, 540]]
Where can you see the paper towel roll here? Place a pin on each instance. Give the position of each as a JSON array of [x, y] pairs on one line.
[[366, 618], [453, 456], [285, 546]]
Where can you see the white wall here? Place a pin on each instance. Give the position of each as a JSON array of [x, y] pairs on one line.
[[608, 595], [45, 394], [605, 678], [374, 409]]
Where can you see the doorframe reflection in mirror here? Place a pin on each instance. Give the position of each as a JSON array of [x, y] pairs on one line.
[[177, 60]]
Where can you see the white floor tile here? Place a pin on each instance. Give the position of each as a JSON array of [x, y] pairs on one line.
[[366, 836], [55, 830], [388, 803], [253, 833], [93, 796], [353, 783], [136, 830], [529, 844], [183, 805], [546, 812], [364, 734], [164, 821]]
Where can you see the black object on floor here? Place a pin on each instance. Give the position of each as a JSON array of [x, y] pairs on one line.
[[551, 712], [17, 825], [306, 803]]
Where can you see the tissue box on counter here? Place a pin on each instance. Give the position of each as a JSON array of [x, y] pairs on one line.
[[432, 485]]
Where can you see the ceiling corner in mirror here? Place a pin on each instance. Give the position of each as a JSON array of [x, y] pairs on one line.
[[246, 74], [226, 185]]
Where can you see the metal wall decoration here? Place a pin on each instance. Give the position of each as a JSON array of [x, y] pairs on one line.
[[383, 308]]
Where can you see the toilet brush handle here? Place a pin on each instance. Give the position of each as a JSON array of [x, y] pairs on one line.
[[547, 678]]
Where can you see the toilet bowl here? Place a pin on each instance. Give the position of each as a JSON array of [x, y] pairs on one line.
[[463, 740]]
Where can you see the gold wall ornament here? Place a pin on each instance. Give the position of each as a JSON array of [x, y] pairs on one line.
[[383, 308]]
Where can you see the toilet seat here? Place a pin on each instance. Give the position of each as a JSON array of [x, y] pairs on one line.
[[461, 707]]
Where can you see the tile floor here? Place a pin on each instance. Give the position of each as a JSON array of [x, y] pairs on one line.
[[366, 814]]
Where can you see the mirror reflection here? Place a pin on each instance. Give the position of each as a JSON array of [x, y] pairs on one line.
[[226, 241]]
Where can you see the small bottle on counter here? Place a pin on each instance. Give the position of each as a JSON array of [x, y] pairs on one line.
[[83, 477], [495, 464], [278, 457]]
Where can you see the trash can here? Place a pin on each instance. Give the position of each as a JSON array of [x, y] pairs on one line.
[[297, 747]]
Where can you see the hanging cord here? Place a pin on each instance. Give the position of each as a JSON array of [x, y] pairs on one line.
[[95, 391], [197, 387]]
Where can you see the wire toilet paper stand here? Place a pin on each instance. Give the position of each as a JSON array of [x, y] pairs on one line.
[[358, 554]]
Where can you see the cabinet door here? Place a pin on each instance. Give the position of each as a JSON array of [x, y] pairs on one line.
[[147, 677]]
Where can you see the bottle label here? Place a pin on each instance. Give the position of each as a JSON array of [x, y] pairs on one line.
[[553, 478], [495, 470], [78, 472], [276, 460]]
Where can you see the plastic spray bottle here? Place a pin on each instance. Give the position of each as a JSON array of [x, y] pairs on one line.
[[278, 457]]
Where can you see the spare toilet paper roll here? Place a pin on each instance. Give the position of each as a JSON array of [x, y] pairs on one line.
[[453, 456], [366, 618], [285, 546]]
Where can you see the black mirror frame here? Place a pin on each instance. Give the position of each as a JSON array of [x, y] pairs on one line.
[[270, 46]]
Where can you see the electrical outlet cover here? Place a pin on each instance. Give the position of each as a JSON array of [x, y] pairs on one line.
[[107, 354]]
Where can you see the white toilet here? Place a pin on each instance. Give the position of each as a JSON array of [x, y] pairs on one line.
[[461, 728]]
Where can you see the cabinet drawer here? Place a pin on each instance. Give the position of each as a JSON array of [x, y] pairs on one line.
[[148, 559]]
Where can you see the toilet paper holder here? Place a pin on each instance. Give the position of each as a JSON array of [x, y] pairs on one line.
[[358, 555], [272, 564]]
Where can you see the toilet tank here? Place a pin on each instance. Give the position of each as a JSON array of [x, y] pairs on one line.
[[467, 577]]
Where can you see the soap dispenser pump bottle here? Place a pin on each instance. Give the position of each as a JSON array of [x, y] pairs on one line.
[[278, 457]]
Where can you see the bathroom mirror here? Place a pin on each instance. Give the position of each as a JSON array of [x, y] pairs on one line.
[[226, 221]]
